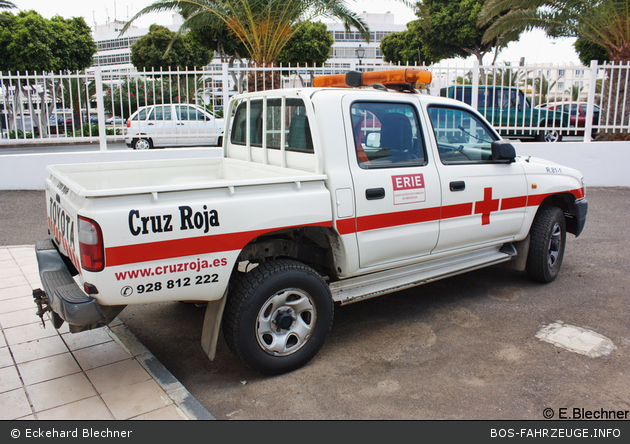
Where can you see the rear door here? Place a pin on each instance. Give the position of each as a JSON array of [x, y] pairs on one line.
[[161, 126], [396, 186]]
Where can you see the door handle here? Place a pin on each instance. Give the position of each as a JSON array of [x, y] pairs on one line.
[[459, 185], [374, 193], [150, 123]]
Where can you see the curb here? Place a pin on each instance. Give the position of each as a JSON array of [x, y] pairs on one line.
[[182, 398]]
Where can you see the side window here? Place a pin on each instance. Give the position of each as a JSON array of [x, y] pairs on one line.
[[387, 135], [299, 131], [162, 112], [239, 130], [142, 114], [183, 112], [195, 114], [461, 136], [290, 120]]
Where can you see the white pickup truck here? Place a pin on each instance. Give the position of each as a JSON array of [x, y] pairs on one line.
[[324, 195]]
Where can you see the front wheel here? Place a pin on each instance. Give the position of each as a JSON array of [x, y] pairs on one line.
[[277, 316], [547, 241]]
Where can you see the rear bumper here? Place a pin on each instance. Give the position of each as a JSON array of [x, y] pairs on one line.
[[67, 300]]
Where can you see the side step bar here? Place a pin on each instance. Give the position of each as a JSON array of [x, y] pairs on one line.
[[388, 281]]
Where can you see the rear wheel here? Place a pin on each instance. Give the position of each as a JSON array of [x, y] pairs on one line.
[[142, 144], [549, 135], [547, 241], [277, 316]]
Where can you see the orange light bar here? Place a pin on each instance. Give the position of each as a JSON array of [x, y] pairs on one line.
[[386, 78]]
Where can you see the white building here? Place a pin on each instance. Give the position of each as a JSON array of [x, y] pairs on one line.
[[113, 50], [349, 49]]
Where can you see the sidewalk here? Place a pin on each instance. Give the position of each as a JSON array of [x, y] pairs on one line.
[[102, 374]]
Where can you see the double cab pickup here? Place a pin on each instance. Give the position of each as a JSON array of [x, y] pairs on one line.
[[357, 187]]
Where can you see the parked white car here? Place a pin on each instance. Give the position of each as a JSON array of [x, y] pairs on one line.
[[115, 121], [173, 125]]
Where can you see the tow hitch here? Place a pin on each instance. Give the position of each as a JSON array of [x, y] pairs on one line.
[[42, 302]]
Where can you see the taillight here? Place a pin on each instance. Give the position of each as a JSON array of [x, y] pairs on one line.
[[128, 123], [91, 245]]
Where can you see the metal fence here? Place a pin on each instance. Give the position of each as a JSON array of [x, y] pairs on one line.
[[540, 102]]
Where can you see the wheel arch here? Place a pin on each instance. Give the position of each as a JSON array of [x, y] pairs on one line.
[[314, 246], [567, 202], [137, 137], [317, 247]]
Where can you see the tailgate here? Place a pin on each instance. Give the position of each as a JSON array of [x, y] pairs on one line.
[[62, 207]]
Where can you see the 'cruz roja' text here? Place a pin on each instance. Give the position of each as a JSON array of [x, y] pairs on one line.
[[189, 219]]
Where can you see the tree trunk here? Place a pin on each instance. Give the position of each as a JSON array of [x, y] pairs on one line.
[[263, 79]]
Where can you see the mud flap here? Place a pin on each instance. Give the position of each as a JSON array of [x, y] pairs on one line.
[[212, 326]]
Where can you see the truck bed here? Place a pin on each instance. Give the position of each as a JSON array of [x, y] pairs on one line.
[[154, 176]]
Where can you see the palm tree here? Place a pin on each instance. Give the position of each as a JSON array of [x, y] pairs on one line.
[[602, 22], [542, 87], [263, 26], [5, 4]]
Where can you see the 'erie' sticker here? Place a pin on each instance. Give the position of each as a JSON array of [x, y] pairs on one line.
[[409, 188]]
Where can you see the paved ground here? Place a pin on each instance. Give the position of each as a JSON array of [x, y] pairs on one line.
[[464, 348], [102, 374]]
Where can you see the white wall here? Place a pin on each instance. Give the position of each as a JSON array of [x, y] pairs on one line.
[[28, 171], [603, 164]]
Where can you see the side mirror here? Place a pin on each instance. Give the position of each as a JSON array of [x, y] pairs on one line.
[[503, 151]]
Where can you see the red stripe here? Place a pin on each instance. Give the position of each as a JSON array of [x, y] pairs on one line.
[[511, 203], [347, 226], [190, 246], [377, 221], [458, 210], [535, 200], [129, 254]]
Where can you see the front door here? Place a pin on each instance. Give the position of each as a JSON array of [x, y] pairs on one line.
[[483, 201], [397, 189]]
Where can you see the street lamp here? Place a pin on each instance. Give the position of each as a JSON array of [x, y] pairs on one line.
[[360, 52]]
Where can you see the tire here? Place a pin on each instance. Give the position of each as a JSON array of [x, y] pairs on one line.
[[549, 135], [547, 242], [142, 144], [277, 316]]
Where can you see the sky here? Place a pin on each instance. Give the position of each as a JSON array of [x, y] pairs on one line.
[[534, 46]]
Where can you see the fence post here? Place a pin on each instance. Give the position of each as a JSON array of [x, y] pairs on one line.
[[590, 102], [100, 108], [474, 94], [225, 78]]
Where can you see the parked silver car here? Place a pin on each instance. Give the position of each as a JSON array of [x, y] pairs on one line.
[[173, 125]]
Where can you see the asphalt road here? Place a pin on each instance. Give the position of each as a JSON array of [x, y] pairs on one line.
[[463, 348], [59, 148]]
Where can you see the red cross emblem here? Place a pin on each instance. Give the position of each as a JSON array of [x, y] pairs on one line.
[[486, 206]]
